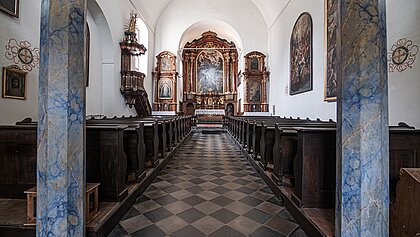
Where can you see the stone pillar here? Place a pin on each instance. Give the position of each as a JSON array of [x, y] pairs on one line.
[[61, 120], [362, 197]]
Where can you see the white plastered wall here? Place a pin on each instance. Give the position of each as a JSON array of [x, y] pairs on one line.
[[26, 27], [403, 20]]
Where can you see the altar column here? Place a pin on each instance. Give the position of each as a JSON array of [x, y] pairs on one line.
[[362, 197], [61, 120]]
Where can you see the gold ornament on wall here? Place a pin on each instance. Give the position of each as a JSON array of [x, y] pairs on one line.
[[22, 54]]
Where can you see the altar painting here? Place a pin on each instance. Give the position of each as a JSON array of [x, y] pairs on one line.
[[165, 89], [210, 72]]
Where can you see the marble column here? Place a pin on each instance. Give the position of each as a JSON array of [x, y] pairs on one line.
[[61, 116], [362, 201]]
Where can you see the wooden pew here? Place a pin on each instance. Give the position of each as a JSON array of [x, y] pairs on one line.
[[106, 162], [18, 149], [134, 147], [314, 164], [404, 212], [150, 138]]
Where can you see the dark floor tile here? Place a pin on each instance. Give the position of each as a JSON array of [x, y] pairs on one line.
[[220, 190], [217, 168], [242, 181], [222, 201], [219, 181], [224, 215], [281, 225], [142, 198], [158, 214], [276, 201], [258, 216], [286, 215], [251, 201], [150, 231], [197, 181], [245, 190], [188, 231], [118, 231], [195, 189], [164, 200], [193, 200], [131, 213], [265, 232], [226, 231], [171, 189], [191, 215], [218, 174]]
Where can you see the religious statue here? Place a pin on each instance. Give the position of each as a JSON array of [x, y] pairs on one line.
[[133, 22]]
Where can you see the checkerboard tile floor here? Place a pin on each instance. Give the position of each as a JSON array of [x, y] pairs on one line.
[[208, 189]]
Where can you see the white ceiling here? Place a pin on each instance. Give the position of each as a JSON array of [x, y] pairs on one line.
[[151, 9]]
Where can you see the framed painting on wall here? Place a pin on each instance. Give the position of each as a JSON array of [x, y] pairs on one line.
[[330, 28], [10, 7], [301, 55], [14, 83]]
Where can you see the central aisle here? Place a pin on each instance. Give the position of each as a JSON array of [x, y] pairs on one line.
[[208, 189]]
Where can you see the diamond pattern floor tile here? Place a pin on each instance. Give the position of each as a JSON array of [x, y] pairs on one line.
[[208, 189]]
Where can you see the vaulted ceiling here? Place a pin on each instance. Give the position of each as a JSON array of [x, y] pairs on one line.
[[151, 9]]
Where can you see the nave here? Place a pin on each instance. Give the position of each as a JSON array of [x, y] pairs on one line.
[[208, 189]]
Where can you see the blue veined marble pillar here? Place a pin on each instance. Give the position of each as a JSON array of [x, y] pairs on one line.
[[362, 201], [61, 120]]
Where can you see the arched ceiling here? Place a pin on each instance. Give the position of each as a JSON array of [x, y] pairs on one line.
[[151, 9]]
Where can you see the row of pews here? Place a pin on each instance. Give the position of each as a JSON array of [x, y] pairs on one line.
[[298, 156], [120, 152]]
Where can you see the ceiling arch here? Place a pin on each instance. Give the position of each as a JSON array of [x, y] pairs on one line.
[[151, 9], [223, 30]]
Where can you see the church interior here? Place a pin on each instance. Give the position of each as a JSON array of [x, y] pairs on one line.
[[210, 118]]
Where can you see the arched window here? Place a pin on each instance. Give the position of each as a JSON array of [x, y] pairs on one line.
[[141, 63]]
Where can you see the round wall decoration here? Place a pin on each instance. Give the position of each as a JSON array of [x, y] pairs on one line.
[[22, 54], [402, 55]]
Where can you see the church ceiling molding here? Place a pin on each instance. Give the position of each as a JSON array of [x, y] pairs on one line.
[[22, 54]]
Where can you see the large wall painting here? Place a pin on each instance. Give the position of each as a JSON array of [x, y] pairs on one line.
[[301, 55], [210, 72], [331, 28]]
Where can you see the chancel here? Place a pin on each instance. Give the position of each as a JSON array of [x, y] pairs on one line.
[[210, 118]]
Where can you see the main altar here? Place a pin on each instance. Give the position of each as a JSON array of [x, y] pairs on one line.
[[210, 67]]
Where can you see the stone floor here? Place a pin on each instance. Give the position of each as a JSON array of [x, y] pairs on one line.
[[208, 189]]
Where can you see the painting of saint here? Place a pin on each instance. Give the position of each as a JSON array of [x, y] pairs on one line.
[[254, 91], [254, 63], [14, 83], [165, 64], [210, 72], [301, 55], [165, 89]]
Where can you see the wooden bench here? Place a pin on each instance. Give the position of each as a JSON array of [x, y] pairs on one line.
[[404, 212], [92, 203], [106, 162]]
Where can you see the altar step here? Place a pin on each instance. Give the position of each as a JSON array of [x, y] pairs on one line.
[[209, 128]]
